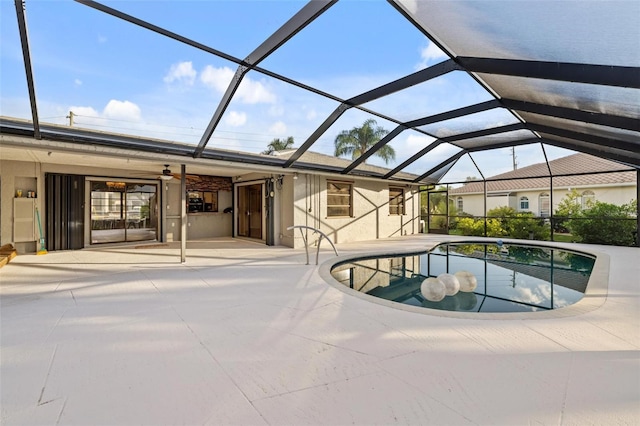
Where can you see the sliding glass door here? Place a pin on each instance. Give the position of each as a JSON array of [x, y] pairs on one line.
[[123, 211]]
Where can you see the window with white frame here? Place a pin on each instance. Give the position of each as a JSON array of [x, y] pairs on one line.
[[339, 199], [588, 199], [396, 201], [460, 204], [544, 203], [524, 203]]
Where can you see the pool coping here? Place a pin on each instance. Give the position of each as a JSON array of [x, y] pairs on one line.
[[594, 297]]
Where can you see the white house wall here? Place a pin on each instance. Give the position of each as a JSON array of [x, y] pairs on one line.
[[474, 204], [26, 176], [30, 176], [371, 219]]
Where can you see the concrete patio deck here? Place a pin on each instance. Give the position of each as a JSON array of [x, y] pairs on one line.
[[247, 334]]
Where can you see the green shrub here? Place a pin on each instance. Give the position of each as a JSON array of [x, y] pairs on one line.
[[602, 224], [475, 227], [520, 225], [570, 206]]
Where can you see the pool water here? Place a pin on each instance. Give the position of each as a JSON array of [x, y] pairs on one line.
[[507, 277]]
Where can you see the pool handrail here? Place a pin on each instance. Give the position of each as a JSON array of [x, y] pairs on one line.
[[315, 231]]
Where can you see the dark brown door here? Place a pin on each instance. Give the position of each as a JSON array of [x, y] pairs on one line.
[[250, 211], [64, 212]]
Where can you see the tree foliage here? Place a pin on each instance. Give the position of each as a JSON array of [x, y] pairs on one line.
[[506, 222], [358, 140], [278, 145], [570, 206], [606, 223], [475, 227]]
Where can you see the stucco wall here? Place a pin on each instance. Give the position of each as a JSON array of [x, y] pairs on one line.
[[473, 203], [30, 176], [25, 176], [284, 212], [371, 219]]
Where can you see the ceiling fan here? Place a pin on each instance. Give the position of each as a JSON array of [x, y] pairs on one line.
[[166, 173]]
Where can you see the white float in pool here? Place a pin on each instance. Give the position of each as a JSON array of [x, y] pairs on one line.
[[468, 281], [451, 283], [433, 289]]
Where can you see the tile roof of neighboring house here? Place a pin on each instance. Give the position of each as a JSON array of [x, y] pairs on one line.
[[577, 163]]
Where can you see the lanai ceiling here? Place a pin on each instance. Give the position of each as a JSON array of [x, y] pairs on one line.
[[554, 73]]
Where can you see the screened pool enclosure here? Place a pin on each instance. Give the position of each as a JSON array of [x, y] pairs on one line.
[[516, 119]]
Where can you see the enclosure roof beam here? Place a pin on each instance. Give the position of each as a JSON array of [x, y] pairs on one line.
[[446, 162], [304, 17], [607, 75], [451, 139], [599, 140], [382, 142], [507, 144], [596, 150], [317, 133], [413, 158], [28, 69], [455, 113], [301, 19], [381, 91], [485, 132], [609, 120], [410, 80]]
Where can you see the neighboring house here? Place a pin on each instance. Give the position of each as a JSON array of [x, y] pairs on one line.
[[529, 189], [89, 194]]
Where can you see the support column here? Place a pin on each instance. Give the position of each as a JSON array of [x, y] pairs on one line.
[[183, 213], [637, 208], [484, 204]]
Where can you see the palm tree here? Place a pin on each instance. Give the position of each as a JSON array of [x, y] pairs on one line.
[[358, 140], [278, 145]]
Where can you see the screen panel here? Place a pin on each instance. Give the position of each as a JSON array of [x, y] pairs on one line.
[[511, 30]]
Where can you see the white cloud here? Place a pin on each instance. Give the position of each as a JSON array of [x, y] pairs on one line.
[[278, 128], [77, 82], [122, 110], [311, 114], [86, 111], [254, 92], [276, 110], [236, 119], [416, 142], [249, 92], [181, 72], [216, 78], [430, 54]]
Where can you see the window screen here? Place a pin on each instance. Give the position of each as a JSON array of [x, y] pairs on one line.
[[396, 201], [339, 199]]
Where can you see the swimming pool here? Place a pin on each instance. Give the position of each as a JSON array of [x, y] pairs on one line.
[[473, 277]]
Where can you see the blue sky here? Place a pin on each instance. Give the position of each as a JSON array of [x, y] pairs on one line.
[[121, 78]]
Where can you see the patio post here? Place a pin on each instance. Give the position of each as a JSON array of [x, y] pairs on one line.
[[183, 213]]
